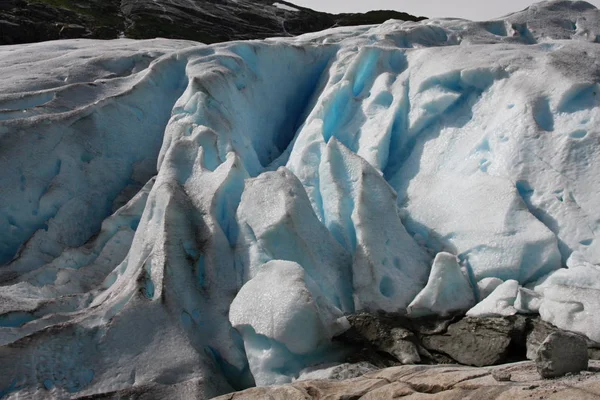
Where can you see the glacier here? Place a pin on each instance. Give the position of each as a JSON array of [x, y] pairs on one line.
[[184, 220]]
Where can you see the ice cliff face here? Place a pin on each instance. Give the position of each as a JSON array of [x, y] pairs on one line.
[[185, 220]]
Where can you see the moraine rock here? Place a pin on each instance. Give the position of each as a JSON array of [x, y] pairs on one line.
[[481, 341], [382, 333], [562, 353], [390, 339], [538, 331], [339, 372]]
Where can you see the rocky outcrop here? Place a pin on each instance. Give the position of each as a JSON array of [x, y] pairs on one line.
[[382, 339], [437, 383], [27, 21], [386, 340]]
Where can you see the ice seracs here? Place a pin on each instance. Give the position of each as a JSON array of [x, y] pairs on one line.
[[277, 223], [179, 217], [359, 208], [448, 290]]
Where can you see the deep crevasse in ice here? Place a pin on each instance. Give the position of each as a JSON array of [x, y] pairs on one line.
[[195, 219]]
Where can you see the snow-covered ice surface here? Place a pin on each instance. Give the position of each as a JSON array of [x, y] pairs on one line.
[[285, 7], [185, 220], [448, 290]]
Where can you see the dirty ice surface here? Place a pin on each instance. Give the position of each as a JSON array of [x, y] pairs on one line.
[[186, 220]]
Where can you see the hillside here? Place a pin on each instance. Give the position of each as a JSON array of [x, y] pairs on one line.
[[206, 21]]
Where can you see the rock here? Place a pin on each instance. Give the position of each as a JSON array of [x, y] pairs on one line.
[[385, 340], [501, 375], [538, 330], [372, 356], [481, 341], [401, 345], [433, 383], [430, 325], [72, 31], [383, 333], [338, 372], [560, 354], [593, 353]]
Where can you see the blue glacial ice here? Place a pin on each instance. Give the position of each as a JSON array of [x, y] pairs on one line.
[[187, 220]]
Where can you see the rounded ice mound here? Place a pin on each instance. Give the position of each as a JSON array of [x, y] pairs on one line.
[[278, 304], [281, 308]]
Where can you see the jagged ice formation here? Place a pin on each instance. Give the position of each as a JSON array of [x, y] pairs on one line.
[[186, 220]]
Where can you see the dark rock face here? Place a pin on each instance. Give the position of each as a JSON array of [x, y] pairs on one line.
[[207, 21], [562, 353], [538, 332], [481, 341], [384, 340], [29, 21], [387, 339]]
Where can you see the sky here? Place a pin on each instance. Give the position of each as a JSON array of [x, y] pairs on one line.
[[469, 9]]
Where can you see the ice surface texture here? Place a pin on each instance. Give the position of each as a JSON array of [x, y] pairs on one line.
[[188, 220]]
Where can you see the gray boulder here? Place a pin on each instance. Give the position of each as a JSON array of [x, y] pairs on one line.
[[480, 341], [562, 353], [538, 331]]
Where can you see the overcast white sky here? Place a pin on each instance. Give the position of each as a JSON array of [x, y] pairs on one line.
[[470, 9]]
